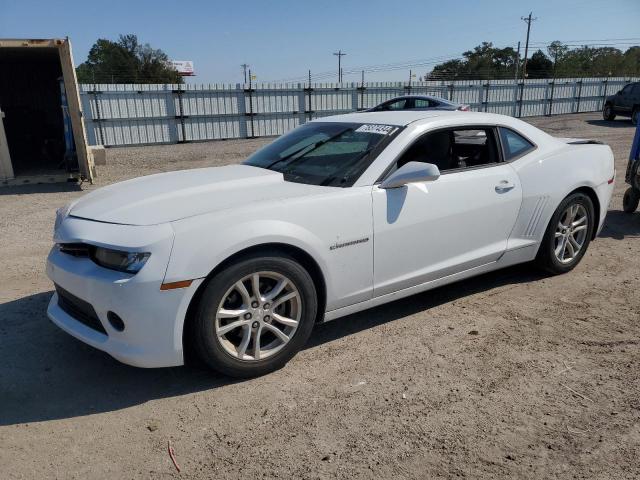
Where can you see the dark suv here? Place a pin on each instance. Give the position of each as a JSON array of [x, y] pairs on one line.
[[625, 103]]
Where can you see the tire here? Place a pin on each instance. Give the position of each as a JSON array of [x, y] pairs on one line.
[[630, 200], [634, 115], [608, 113], [231, 350], [547, 257]]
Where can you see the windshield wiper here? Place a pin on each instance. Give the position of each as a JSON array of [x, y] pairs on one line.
[[314, 146]]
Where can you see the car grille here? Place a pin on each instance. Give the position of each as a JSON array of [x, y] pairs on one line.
[[75, 249], [79, 309]]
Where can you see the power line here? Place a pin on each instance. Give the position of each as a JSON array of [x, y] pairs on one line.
[[410, 64]]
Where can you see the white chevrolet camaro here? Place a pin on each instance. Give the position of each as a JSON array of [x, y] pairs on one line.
[[339, 215]]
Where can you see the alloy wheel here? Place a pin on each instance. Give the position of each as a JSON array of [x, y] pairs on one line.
[[571, 233], [258, 316]]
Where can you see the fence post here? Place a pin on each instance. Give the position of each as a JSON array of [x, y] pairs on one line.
[[553, 86], [354, 97], [170, 103], [250, 113], [98, 118], [574, 95], [361, 88], [603, 88], [579, 83], [242, 112], [451, 87], [180, 115], [485, 102], [545, 102], [302, 107], [308, 110], [521, 99], [514, 108]]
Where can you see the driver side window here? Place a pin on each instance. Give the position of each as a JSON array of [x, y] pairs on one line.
[[395, 105], [454, 149]]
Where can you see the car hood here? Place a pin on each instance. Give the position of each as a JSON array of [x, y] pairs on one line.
[[172, 196]]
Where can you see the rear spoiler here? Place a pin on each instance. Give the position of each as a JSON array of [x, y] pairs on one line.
[[580, 141]]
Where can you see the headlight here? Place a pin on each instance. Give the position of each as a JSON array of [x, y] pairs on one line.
[[129, 262]]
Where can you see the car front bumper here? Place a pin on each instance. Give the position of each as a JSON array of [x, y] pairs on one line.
[[153, 319]]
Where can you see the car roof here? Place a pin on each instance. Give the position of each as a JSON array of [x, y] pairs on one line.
[[428, 97], [403, 118]]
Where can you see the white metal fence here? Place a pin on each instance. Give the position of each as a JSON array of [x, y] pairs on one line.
[[125, 114]]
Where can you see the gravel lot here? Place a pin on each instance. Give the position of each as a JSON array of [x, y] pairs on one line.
[[548, 387]]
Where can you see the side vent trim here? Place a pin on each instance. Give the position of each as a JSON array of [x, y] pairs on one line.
[[532, 226]]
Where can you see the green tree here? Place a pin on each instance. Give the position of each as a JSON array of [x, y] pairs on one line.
[[483, 62], [539, 66], [487, 62], [631, 60], [557, 50], [126, 61]]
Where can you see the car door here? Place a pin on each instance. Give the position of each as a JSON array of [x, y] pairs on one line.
[[623, 99], [425, 231]]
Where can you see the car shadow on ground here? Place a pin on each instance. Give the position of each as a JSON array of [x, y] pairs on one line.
[[618, 123], [40, 188], [46, 374], [620, 225]]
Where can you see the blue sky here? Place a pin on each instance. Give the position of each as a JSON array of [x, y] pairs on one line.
[[283, 39]]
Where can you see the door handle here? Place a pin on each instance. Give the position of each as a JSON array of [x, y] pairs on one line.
[[504, 186]]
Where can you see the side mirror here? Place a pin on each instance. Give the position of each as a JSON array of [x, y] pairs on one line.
[[619, 92], [412, 172]]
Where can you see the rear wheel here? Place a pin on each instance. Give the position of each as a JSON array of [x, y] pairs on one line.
[[630, 200], [634, 115], [568, 234], [608, 113], [255, 315]]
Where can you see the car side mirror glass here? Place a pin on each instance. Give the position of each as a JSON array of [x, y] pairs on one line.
[[412, 172]]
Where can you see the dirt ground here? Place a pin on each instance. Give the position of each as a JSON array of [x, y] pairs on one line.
[[509, 375]]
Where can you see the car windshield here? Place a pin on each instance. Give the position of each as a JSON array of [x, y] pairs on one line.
[[329, 154]]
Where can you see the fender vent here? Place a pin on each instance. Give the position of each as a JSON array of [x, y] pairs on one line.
[[535, 216]]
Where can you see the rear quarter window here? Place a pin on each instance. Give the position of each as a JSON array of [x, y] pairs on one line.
[[514, 145]]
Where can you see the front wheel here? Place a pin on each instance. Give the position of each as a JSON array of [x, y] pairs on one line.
[[255, 315], [630, 200], [608, 113], [568, 234]]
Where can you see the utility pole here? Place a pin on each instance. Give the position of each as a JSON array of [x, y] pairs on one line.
[[339, 54], [244, 69], [528, 21]]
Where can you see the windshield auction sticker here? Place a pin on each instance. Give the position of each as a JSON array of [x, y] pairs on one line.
[[379, 129]]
